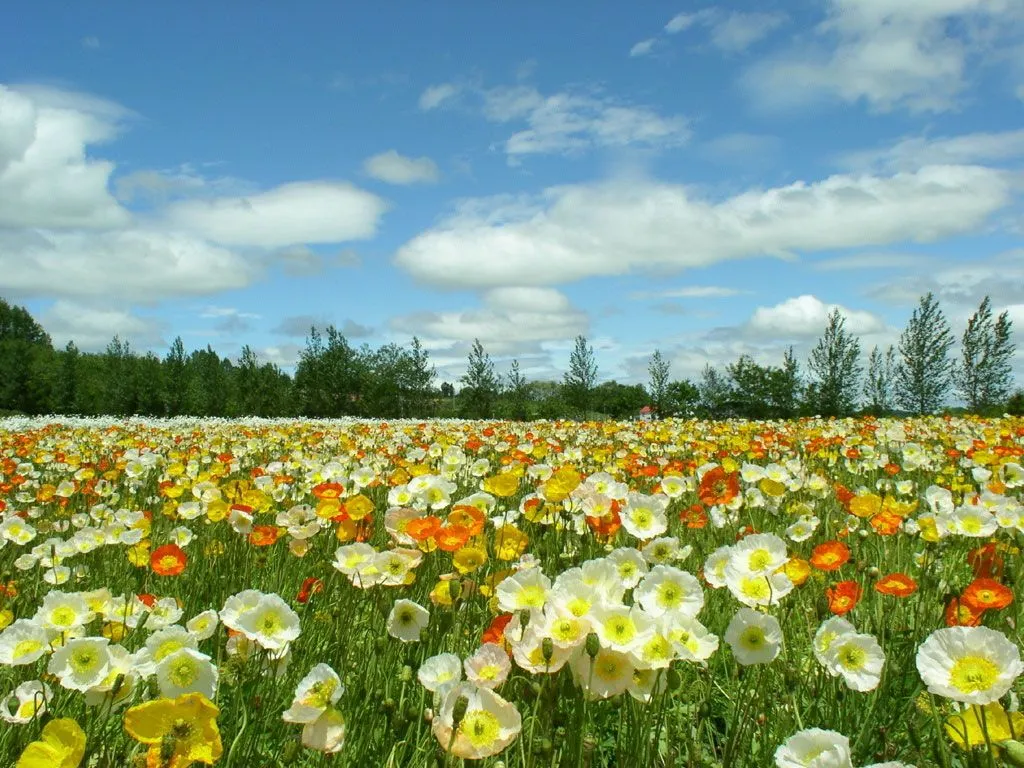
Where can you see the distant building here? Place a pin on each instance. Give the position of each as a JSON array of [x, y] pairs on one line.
[[647, 413]]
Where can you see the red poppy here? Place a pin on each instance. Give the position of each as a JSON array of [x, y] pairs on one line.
[[718, 487], [896, 585], [694, 516], [310, 586], [830, 556], [843, 597], [986, 595], [168, 560], [147, 599]]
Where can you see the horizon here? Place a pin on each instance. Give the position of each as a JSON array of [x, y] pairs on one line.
[[710, 183]]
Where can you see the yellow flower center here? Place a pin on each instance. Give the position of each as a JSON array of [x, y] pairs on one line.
[[669, 595], [480, 727], [658, 649], [63, 616], [183, 672], [565, 629], [852, 656], [489, 672], [531, 596], [578, 606], [756, 588], [760, 559], [608, 668], [270, 624], [320, 694], [83, 660], [753, 638], [167, 648], [973, 673], [26, 648], [620, 629], [642, 518]]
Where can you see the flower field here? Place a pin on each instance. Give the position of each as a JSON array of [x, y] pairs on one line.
[[346, 593]]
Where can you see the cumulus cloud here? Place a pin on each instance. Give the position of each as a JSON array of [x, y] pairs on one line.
[[804, 316], [888, 55], [436, 95], [642, 48], [91, 327], [915, 152], [394, 168], [572, 232], [47, 178], [125, 265], [184, 181], [299, 212], [512, 320]]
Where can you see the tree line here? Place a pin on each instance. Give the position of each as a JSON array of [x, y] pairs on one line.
[[333, 378]]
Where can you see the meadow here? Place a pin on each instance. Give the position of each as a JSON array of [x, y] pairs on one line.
[[364, 593]]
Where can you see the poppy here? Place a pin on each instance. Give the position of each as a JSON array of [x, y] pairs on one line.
[[886, 523], [310, 586], [606, 526], [843, 597], [830, 556], [264, 535], [986, 594], [959, 614], [718, 487], [495, 633], [168, 560], [328, 490], [468, 516], [451, 538], [896, 585], [985, 561], [694, 517], [423, 528]]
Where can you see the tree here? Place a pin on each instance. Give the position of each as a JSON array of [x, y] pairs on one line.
[[579, 380], [984, 376], [618, 401], [658, 370], [26, 362], [480, 384], [835, 368], [924, 372], [419, 379], [787, 387], [515, 393], [681, 398], [715, 391], [878, 387]]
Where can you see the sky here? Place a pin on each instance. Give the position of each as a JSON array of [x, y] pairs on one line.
[[707, 180]]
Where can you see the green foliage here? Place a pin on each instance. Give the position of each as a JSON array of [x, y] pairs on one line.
[[658, 369], [835, 370], [984, 375], [479, 384], [579, 380], [925, 370]]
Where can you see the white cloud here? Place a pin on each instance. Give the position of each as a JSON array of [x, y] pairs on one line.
[[680, 23], [434, 96], [512, 320], [300, 212], [737, 31], [572, 122], [806, 316], [130, 265], [916, 152], [184, 181], [91, 42], [642, 48], [869, 261], [690, 292], [397, 169], [47, 178], [92, 327], [577, 231], [888, 54]]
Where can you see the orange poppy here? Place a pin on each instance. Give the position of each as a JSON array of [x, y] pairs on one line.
[[843, 597], [886, 523], [423, 528], [986, 594], [468, 516], [694, 517], [328, 490], [606, 526], [451, 538], [985, 561], [168, 560], [830, 556], [896, 585], [960, 615], [495, 632], [264, 535], [718, 487]]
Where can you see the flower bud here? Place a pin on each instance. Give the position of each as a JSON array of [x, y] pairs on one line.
[[454, 589], [547, 649], [459, 711], [1013, 753], [673, 679], [593, 644]]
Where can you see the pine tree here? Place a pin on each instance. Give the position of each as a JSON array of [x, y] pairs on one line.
[[715, 391], [878, 387], [480, 384], [516, 394], [984, 376], [658, 370], [925, 371], [579, 380], [835, 368]]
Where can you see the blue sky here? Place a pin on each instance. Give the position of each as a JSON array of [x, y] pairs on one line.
[[709, 180]]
